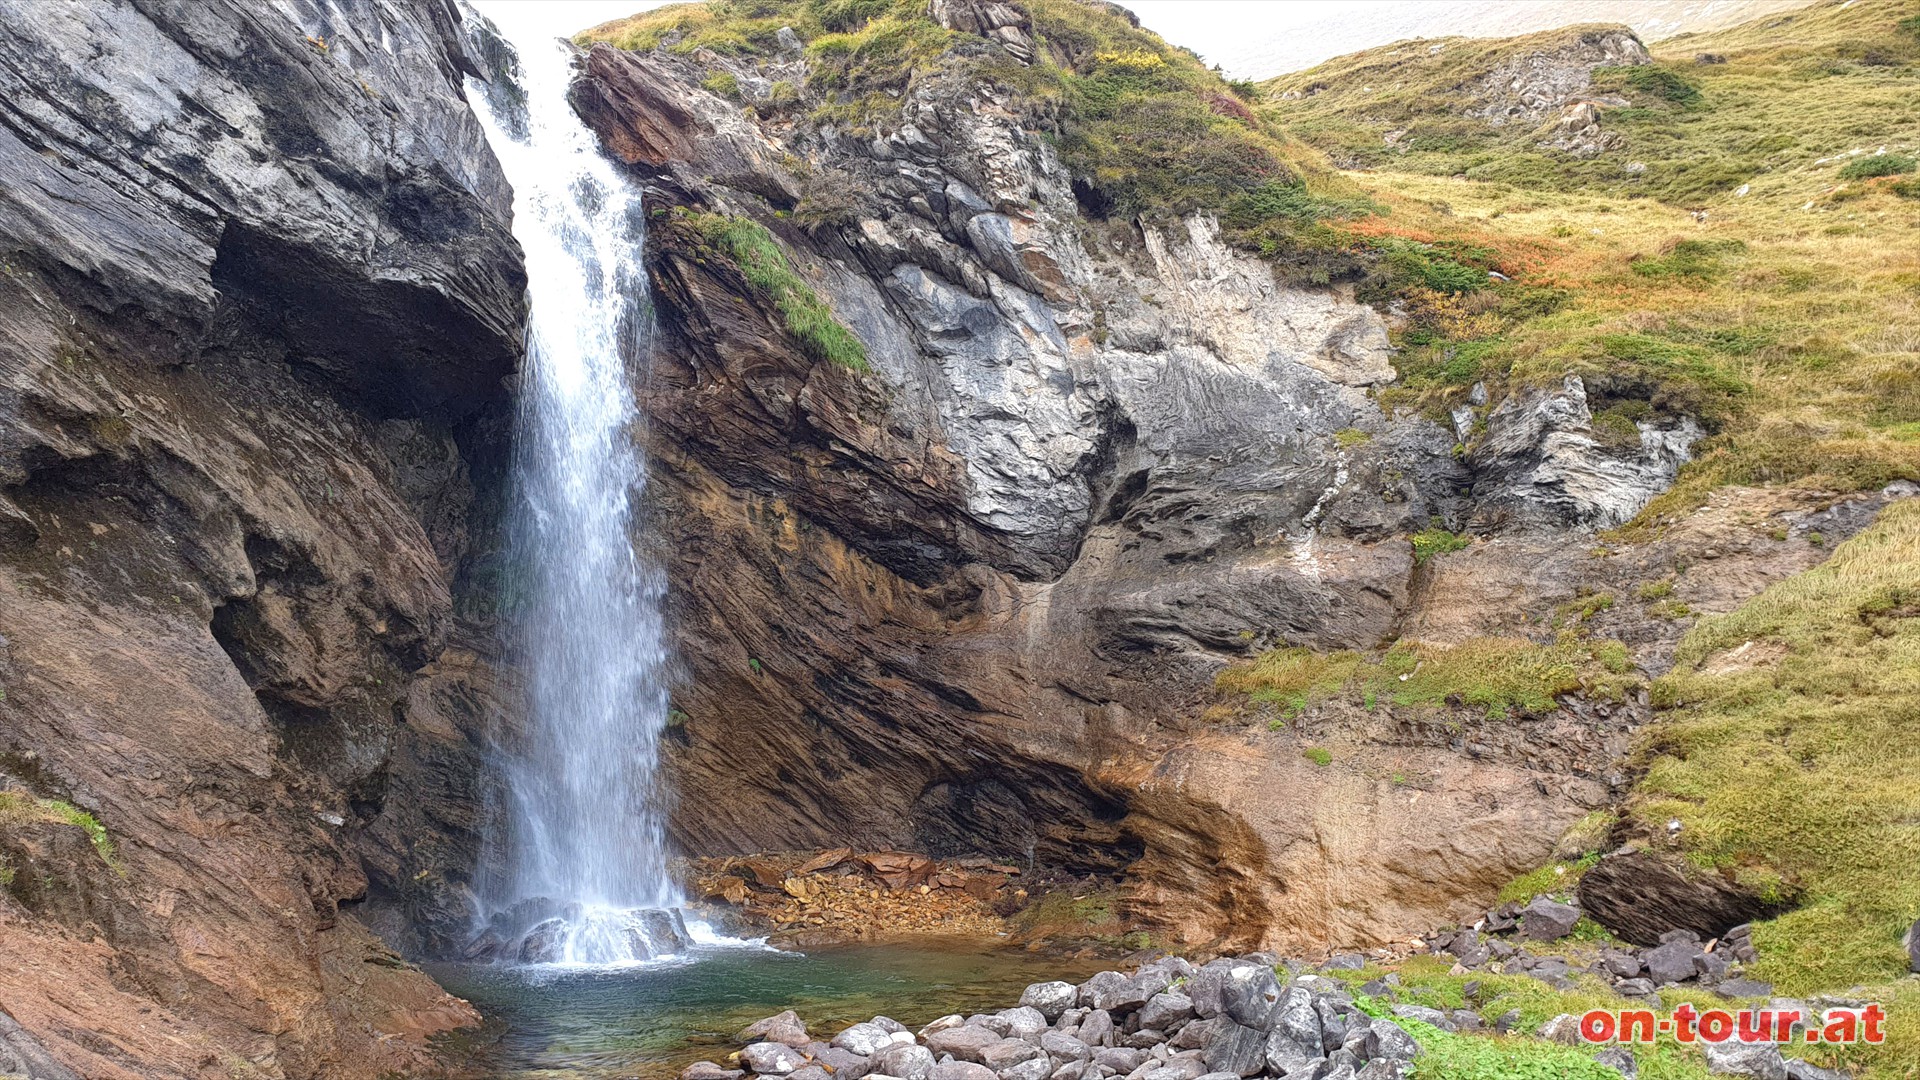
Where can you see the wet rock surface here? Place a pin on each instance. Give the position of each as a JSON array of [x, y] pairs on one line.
[[260, 299]]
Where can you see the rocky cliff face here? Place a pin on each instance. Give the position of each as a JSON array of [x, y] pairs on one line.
[[974, 597], [260, 303]]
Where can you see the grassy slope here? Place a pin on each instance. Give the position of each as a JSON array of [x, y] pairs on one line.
[[1789, 315]]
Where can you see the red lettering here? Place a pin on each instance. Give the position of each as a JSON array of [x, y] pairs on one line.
[[1683, 1018], [1597, 1026], [1842, 1027], [1637, 1025], [1756, 1025], [1783, 1022], [1716, 1026], [1873, 1014]]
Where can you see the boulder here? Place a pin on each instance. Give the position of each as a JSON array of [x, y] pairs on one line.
[[783, 1027], [1182, 1069], [1096, 1029], [1166, 1011], [1249, 995], [1563, 1029], [810, 1072], [863, 1038], [1063, 1048], [1800, 1070], [1424, 1015], [775, 1059], [1003, 1054], [846, 1064], [1234, 1048], [1620, 1060], [1024, 1022], [906, 1060], [1620, 964], [1761, 1061], [962, 1070], [1384, 1069], [1194, 1033], [1912, 942], [1544, 919], [1386, 1039], [1112, 991], [707, 1070], [1673, 962], [1039, 1068], [1333, 1024], [967, 1043], [1050, 998], [1296, 1023], [943, 1023], [1121, 1059]]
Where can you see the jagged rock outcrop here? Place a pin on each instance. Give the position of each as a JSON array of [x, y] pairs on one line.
[[260, 300], [1525, 86], [973, 598]]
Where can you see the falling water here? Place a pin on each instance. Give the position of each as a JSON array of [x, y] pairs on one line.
[[585, 878]]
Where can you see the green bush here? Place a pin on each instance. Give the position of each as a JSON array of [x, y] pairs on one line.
[[1663, 84], [1873, 165], [1436, 541]]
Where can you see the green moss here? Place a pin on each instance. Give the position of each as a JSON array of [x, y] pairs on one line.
[[1583, 607], [724, 84], [1499, 676], [1318, 755], [1555, 879], [1348, 438], [807, 318]]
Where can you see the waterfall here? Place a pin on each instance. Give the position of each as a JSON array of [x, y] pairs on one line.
[[584, 876]]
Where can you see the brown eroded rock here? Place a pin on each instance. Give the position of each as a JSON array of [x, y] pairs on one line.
[[1640, 895]]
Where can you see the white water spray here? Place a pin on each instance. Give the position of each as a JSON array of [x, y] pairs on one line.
[[585, 853]]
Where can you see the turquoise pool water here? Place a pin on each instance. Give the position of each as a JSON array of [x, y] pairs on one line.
[[596, 1024]]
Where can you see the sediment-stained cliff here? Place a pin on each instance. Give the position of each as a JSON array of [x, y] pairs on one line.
[[971, 591]]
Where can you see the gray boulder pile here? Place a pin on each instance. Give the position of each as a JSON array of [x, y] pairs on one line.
[[1498, 944], [1170, 1020]]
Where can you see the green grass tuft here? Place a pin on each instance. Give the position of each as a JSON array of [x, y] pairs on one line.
[[807, 318], [1318, 755], [17, 806], [1867, 168], [1437, 541]]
